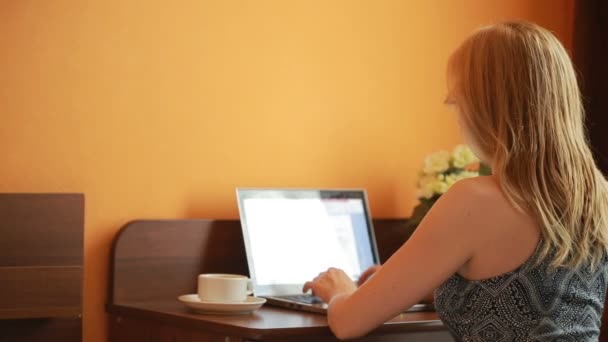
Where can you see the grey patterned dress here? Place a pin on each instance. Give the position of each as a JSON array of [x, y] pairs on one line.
[[532, 303]]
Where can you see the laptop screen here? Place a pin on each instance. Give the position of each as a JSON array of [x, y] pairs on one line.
[[292, 235]]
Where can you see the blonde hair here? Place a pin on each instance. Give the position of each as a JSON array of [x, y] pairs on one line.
[[518, 96]]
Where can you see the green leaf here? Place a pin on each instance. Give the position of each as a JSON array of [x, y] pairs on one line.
[[420, 211], [484, 170]]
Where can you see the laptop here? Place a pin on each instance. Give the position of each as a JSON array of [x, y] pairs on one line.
[[291, 235]]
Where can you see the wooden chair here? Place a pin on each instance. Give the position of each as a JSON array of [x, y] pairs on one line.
[[41, 254]]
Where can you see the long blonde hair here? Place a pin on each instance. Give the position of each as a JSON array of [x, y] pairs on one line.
[[518, 97]]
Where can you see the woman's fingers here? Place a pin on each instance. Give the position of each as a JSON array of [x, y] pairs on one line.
[[307, 286]]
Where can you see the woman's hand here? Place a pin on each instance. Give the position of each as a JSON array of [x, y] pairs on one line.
[[329, 284], [368, 274]]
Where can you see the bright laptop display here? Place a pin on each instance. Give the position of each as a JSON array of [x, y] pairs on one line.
[[292, 235]]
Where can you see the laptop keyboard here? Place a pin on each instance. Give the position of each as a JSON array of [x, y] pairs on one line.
[[304, 298]]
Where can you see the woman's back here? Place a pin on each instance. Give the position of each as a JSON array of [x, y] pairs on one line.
[[532, 303], [502, 237], [506, 292]]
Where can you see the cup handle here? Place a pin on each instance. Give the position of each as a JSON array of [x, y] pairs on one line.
[[249, 287]]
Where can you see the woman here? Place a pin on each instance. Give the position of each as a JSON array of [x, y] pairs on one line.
[[520, 255]]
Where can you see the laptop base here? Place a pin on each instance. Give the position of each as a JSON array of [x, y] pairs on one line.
[[284, 303], [322, 308]]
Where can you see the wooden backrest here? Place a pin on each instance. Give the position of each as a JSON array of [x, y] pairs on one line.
[[160, 260], [156, 260], [41, 256]]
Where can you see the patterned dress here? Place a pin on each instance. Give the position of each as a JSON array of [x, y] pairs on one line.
[[531, 303]]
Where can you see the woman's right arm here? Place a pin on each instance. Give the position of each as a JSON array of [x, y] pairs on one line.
[[444, 241]]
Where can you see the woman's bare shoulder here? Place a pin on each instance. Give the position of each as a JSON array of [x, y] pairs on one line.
[[476, 204], [489, 213], [481, 191]]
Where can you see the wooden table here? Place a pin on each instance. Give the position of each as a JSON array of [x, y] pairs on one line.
[[153, 262], [170, 321]]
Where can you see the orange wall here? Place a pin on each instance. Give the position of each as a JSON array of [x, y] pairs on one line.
[[159, 109]]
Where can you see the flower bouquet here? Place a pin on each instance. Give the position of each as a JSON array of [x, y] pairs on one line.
[[441, 170]]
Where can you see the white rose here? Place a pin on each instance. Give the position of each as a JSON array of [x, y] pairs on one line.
[[429, 186], [440, 186], [437, 162], [467, 174], [464, 156], [452, 178], [426, 187]]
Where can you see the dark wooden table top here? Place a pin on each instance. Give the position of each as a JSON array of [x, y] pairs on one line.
[[266, 323]]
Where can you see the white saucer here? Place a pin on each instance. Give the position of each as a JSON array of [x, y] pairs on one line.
[[250, 304]]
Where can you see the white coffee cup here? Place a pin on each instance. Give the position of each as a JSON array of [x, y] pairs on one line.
[[224, 288]]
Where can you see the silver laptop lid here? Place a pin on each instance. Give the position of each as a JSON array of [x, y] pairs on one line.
[[291, 235]]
